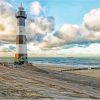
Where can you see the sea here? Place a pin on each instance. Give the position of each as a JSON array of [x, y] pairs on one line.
[[67, 61], [61, 61]]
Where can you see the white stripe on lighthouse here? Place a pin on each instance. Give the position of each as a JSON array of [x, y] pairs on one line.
[[21, 48], [21, 30]]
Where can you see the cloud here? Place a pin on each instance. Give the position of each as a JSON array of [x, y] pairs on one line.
[[7, 21], [92, 20], [50, 41], [7, 48], [68, 32], [36, 8], [89, 35], [72, 50], [91, 50], [88, 32], [6, 18], [39, 27]]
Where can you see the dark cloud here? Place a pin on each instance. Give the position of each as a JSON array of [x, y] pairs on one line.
[[8, 49]]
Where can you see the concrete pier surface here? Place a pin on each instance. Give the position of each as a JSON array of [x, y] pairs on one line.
[[36, 83]]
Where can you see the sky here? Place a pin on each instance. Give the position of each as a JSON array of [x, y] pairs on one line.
[[64, 11], [68, 28]]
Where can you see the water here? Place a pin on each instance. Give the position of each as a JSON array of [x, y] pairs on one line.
[[80, 62], [62, 61]]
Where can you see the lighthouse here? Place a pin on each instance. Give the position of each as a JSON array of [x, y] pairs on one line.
[[21, 41]]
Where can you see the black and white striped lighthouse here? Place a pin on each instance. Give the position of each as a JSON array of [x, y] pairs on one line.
[[21, 41]]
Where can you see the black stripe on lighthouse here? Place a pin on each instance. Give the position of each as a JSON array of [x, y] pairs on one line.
[[21, 39]]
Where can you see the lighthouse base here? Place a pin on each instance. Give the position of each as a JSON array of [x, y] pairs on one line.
[[21, 59]]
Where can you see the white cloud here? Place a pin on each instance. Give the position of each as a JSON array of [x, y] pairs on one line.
[[50, 41], [91, 50], [7, 21], [69, 32], [7, 48], [89, 31], [90, 35], [36, 8], [41, 25], [92, 20], [6, 18]]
